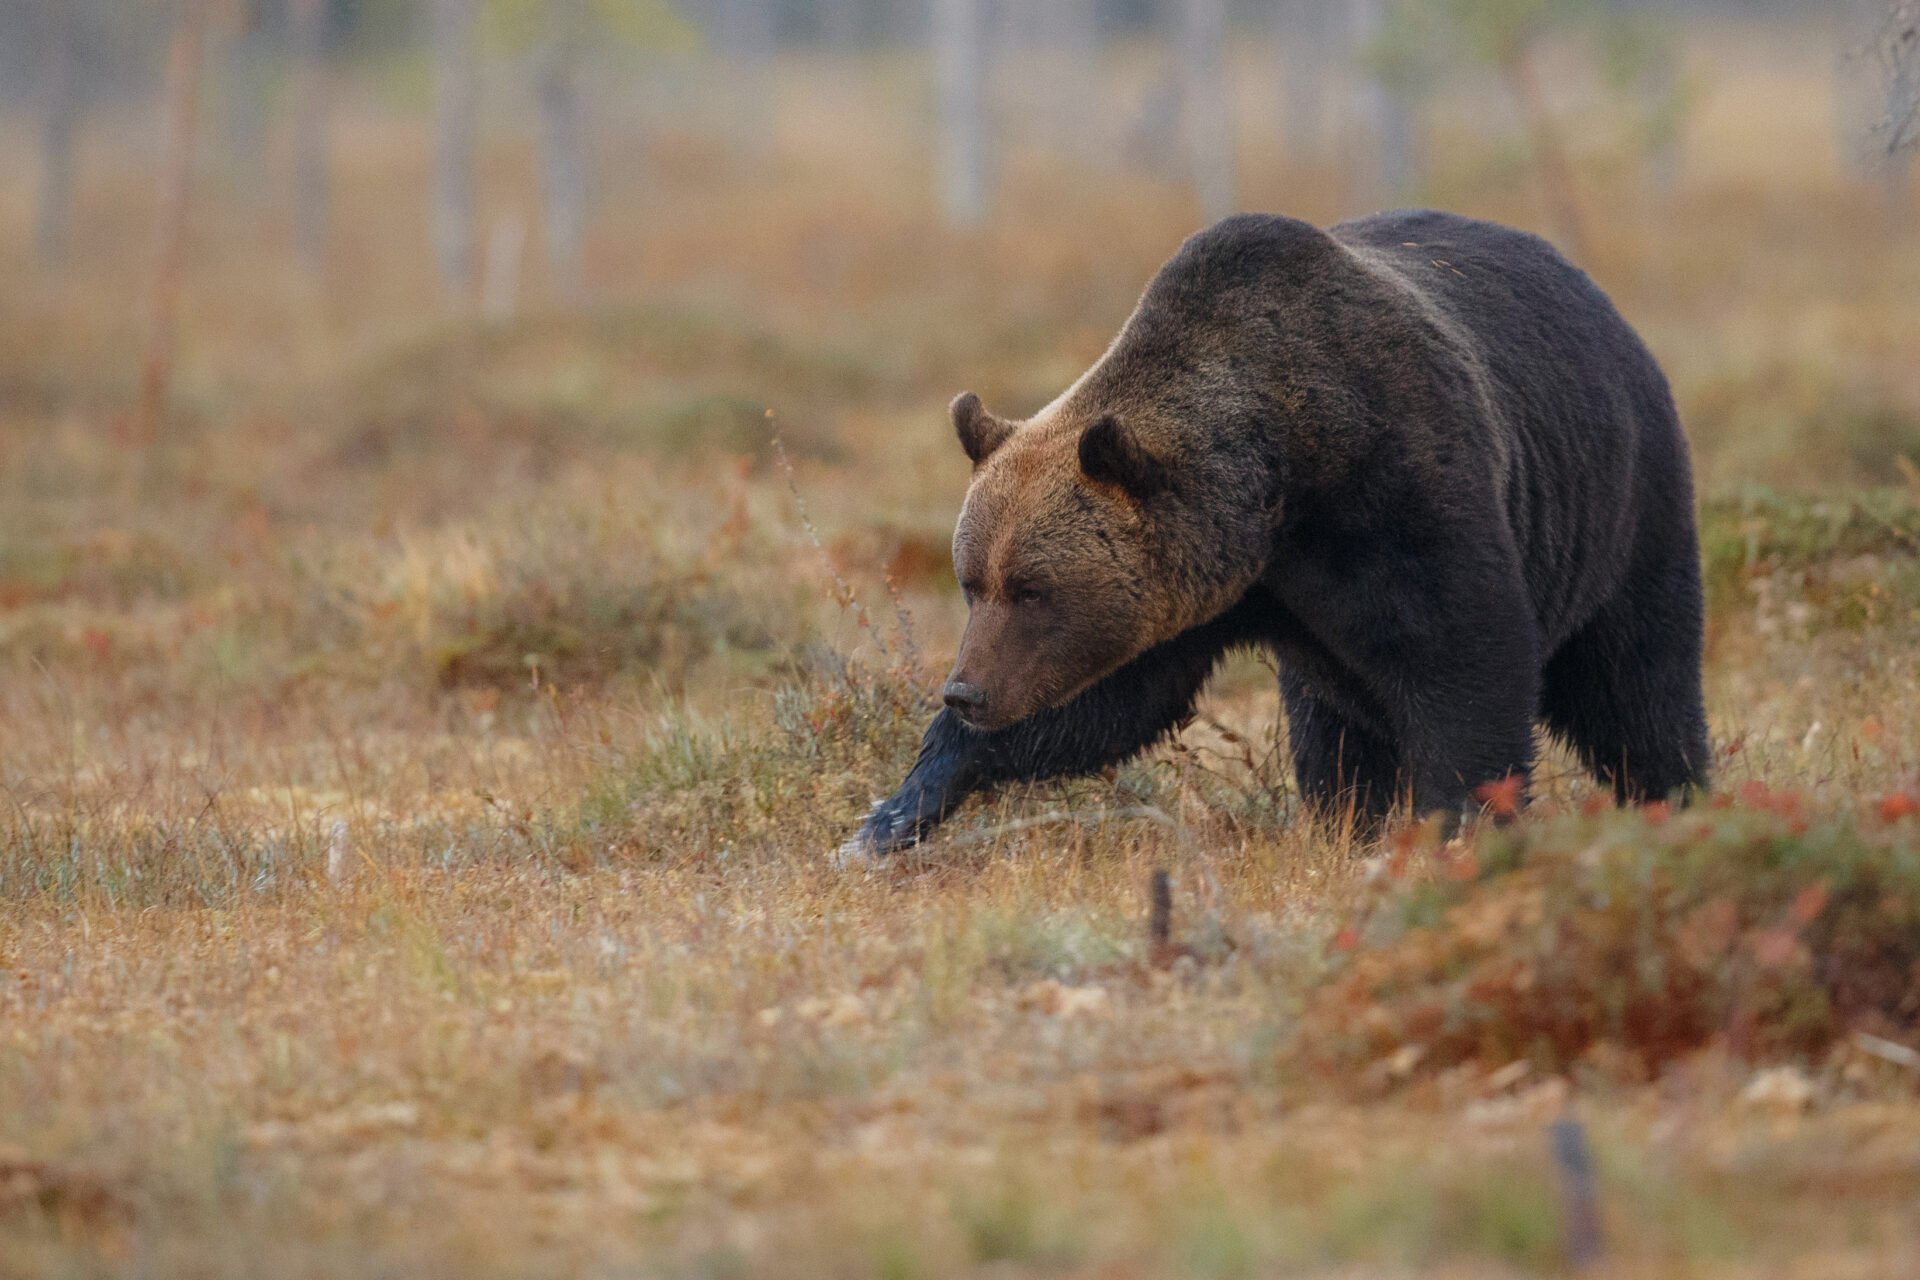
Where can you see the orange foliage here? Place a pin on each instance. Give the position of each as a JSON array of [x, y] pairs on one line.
[[1633, 937]]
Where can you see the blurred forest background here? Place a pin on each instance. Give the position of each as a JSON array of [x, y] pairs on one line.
[[427, 697], [327, 167], [373, 265]]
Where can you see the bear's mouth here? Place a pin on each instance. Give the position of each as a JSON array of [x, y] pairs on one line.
[[985, 722]]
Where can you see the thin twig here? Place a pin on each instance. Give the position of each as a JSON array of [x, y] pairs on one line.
[[844, 594], [843, 590], [909, 647], [1887, 1050]]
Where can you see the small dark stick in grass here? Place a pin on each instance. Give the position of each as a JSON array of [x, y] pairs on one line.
[[1162, 951], [1160, 914], [1579, 1201]]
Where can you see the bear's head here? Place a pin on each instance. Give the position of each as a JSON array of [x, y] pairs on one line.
[[1145, 500], [1059, 551]]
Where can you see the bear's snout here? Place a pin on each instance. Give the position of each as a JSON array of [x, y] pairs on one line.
[[968, 701]]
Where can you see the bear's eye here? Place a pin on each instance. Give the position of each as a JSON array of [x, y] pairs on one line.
[[1026, 593]]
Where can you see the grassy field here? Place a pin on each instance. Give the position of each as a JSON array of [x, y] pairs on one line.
[[418, 768]]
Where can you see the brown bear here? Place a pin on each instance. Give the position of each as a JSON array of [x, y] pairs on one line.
[[1420, 458]]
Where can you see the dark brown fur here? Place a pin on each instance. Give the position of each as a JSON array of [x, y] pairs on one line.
[[1420, 458]]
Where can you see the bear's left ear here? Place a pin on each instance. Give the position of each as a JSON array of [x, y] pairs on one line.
[[1109, 454], [979, 431]]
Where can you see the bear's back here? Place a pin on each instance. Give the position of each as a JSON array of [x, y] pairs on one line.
[[1584, 415], [1510, 289], [1465, 352]]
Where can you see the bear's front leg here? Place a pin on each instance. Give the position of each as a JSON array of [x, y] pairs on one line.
[[1466, 709], [1113, 720], [1468, 754], [1445, 642], [946, 772]]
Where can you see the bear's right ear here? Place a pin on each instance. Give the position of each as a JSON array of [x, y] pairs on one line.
[[1109, 454], [979, 431]]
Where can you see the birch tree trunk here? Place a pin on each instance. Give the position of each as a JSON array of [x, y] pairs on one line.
[[59, 128], [251, 58], [1207, 100], [1302, 52], [563, 169], [746, 40], [960, 73], [1074, 26], [1557, 187], [185, 63], [456, 103], [312, 94], [1898, 47], [1667, 156], [1070, 33], [840, 23], [1388, 111]]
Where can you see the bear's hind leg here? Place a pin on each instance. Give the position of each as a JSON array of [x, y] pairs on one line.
[[1346, 772], [1624, 692]]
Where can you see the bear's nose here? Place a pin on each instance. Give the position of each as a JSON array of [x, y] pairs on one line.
[[966, 699]]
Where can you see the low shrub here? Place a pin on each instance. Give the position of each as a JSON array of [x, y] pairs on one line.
[[1796, 421], [547, 633], [1633, 938], [840, 729], [1853, 560], [658, 380]]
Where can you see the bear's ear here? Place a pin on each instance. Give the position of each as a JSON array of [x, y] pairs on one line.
[[1110, 455], [979, 431]]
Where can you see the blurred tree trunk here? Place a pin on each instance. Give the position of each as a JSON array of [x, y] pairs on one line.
[[59, 130], [1074, 26], [1302, 54], [1666, 153], [1557, 187], [746, 28], [456, 104], [563, 168], [1898, 49], [1388, 109], [1071, 32], [960, 72], [840, 23], [312, 194], [185, 59], [1207, 102], [1043, 77], [251, 62], [745, 37], [500, 277], [1876, 93], [1403, 162]]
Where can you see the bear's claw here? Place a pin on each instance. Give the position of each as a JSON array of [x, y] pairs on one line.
[[891, 825]]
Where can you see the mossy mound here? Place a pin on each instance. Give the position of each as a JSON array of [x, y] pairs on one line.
[[1633, 940]]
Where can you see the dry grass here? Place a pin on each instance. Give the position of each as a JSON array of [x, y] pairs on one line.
[[416, 771]]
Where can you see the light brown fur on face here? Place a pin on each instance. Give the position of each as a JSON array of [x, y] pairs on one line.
[[1054, 564]]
